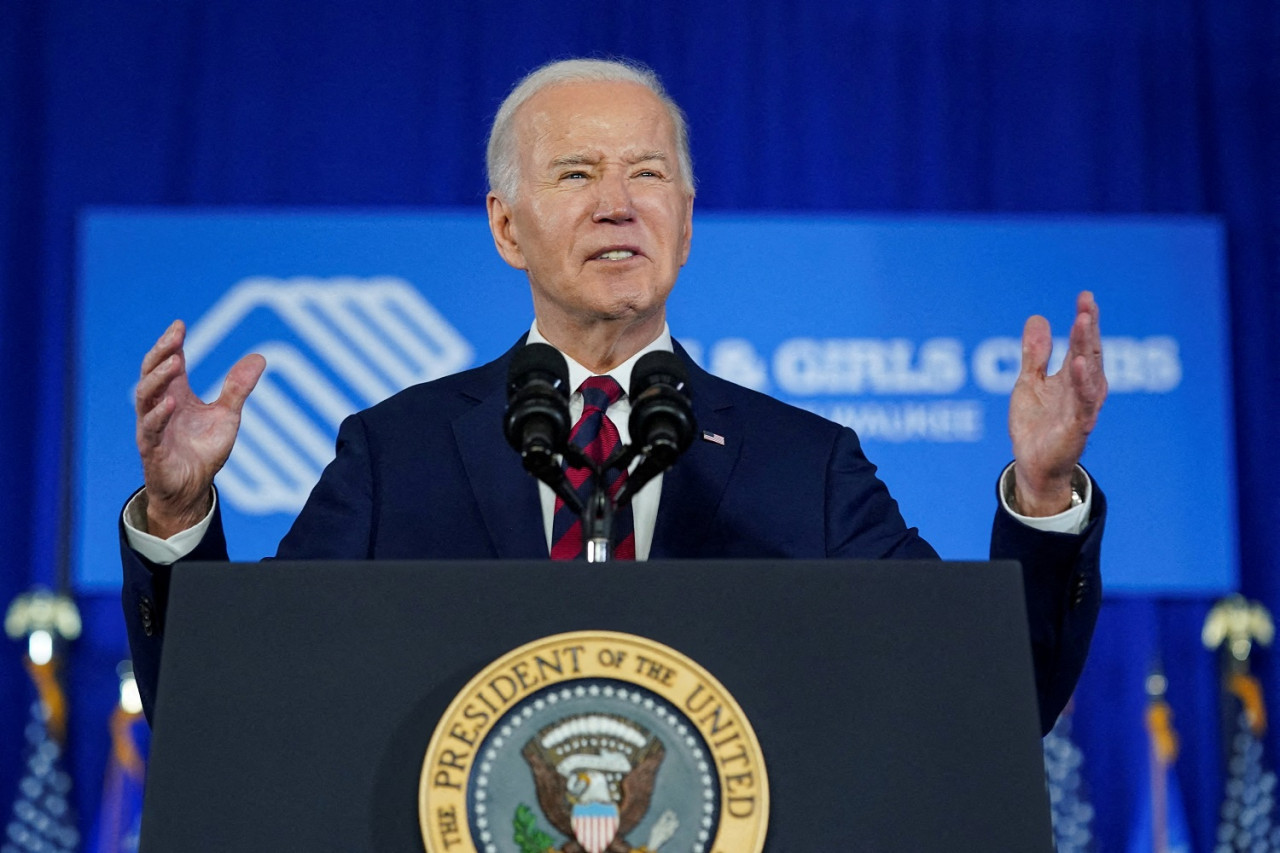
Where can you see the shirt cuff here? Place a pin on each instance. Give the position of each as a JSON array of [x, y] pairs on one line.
[[1072, 520], [162, 552]]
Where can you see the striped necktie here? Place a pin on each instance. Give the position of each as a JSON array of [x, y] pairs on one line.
[[597, 436]]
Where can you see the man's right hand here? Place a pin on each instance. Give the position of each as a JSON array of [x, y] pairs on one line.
[[184, 442]]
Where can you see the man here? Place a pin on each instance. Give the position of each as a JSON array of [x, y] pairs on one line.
[[592, 197]]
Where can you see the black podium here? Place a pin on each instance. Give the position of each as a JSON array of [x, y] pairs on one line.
[[893, 701]]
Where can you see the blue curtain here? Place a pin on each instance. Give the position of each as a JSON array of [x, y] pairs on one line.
[[1088, 106]]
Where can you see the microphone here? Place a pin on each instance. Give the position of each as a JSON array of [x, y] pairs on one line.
[[662, 422], [536, 422]]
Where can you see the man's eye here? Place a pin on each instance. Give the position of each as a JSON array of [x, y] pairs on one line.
[[573, 175]]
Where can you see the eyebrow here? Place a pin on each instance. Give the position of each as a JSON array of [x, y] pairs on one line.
[[574, 160], [646, 156], [592, 159]]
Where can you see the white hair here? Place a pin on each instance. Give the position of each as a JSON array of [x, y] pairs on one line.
[[501, 157]]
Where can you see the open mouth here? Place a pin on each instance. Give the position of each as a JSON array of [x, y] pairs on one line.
[[614, 255]]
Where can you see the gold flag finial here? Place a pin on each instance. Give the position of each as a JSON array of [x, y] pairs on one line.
[[42, 617], [1237, 623]]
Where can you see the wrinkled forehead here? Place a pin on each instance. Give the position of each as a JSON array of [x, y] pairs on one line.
[[605, 119]]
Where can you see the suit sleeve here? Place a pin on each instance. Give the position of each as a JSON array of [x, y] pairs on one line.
[[145, 597], [334, 524], [1063, 584]]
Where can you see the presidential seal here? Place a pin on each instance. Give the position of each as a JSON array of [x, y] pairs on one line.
[[593, 742]]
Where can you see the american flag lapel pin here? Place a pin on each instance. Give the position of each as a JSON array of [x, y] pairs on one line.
[[713, 437]]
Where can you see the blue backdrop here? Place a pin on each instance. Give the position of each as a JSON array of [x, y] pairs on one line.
[[904, 328], [940, 106]]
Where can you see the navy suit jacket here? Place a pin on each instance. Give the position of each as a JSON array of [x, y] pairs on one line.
[[428, 474]]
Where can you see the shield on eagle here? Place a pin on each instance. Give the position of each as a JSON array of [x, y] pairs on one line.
[[594, 825]]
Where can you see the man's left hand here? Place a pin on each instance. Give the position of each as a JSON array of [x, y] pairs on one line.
[[1050, 417]]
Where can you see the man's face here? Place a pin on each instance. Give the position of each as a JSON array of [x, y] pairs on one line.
[[601, 222]]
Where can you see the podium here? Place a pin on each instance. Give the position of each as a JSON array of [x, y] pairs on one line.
[[893, 700]]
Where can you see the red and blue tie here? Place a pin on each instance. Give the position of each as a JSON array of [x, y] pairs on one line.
[[597, 436]]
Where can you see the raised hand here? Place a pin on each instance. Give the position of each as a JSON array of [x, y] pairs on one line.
[[183, 441], [1050, 417]]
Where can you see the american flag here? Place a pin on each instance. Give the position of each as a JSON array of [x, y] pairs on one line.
[[41, 818], [120, 813], [1068, 799], [1247, 818], [713, 437], [1161, 819]]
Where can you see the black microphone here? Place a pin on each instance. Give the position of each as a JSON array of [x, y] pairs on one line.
[[662, 422], [536, 422]]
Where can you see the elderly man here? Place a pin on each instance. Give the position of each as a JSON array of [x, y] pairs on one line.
[[591, 194]]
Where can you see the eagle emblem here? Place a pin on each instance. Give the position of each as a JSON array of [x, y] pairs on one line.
[[594, 775], [569, 751]]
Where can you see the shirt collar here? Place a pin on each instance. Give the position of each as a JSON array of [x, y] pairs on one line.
[[622, 373]]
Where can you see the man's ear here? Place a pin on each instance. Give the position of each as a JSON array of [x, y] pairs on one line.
[[688, 231], [503, 228]]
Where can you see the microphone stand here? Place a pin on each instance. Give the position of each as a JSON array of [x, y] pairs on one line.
[[597, 525], [597, 515]]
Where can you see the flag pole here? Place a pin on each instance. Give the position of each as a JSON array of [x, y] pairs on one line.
[[1162, 752]]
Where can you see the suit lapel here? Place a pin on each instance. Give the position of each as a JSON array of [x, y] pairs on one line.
[[693, 489], [506, 495]]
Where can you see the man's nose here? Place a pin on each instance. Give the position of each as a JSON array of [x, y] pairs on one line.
[[614, 201]]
